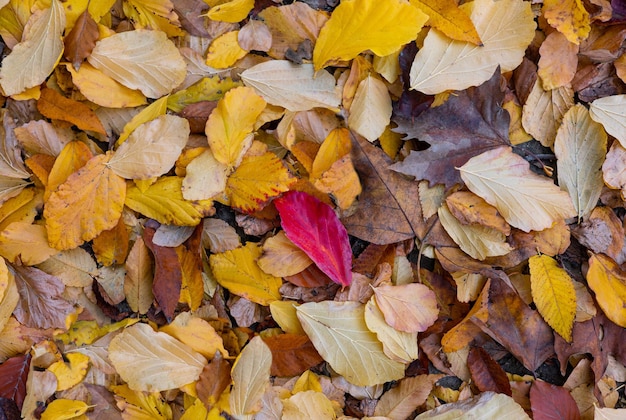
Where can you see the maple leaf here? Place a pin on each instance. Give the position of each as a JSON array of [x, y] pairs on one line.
[[468, 123]]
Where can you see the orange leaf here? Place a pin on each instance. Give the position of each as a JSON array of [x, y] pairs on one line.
[[111, 246], [72, 157], [409, 307], [292, 354], [57, 107], [88, 203], [608, 282]]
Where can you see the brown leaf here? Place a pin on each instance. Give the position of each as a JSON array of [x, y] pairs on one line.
[[401, 401], [292, 354], [469, 123], [595, 81], [214, 379], [13, 375], [57, 107], [111, 246], [168, 275], [602, 233], [558, 62], [469, 208], [191, 14], [81, 39], [486, 373], [388, 209], [41, 302], [551, 402]]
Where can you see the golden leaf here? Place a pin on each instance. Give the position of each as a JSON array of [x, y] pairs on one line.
[[355, 26], [149, 113], [56, 106], [197, 334], [238, 271], [225, 51], [249, 189], [569, 17], [608, 282], [27, 242], [88, 203], [446, 16], [64, 409], [154, 14], [163, 201], [71, 373], [230, 124], [341, 181], [231, 11], [74, 156], [553, 293]]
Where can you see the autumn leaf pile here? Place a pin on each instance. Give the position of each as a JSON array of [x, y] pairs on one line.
[[312, 209]]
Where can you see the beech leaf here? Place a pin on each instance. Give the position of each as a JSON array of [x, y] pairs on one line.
[[549, 401], [251, 377], [544, 110], [400, 402], [340, 335], [314, 227], [81, 40], [608, 282], [526, 200], [610, 112], [446, 16], [370, 111], [485, 405], [153, 361], [505, 27], [408, 307]]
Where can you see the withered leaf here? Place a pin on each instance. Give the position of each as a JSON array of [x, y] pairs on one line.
[[292, 354], [388, 209], [81, 39], [486, 373], [550, 401], [469, 123], [56, 106]]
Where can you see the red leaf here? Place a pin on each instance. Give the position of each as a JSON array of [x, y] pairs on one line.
[[551, 402], [486, 373], [13, 375], [314, 227]]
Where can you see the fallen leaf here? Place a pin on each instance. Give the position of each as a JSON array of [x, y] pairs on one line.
[[88, 203], [486, 373], [251, 377], [56, 106], [205, 177], [255, 35], [140, 59], [551, 401], [73, 157], [408, 307], [36, 55], [370, 111], [196, 333], [314, 227], [468, 209], [441, 63], [26, 242], [81, 40], [111, 246], [138, 280], [400, 402], [62, 409], [338, 332], [381, 27], [14, 374], [131, 402], [214, 379], [608, 282], [609, 112], [153, 361], [291, 354], [496, 405], [292, 86], [526, 200], [152, 111], [225, 51], [569, 17], [231, 11], [281, 257], [43, 137], [308, 404], [342, 182], [219, 236], [238, 271], [602, 233], [579, 160], [157, 15], [558, 62], [447, 17], [70, 373], [75, 267]]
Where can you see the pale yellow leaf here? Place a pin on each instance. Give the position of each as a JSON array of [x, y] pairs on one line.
[[308, 405], [88, 203], [75, 267], [9, 296], [102, 89], [281, 257], [608, 413], [153, 361], [526, 200], [152, 148], [381, 26], [388, 66], [231, 11], [164, 202], [370, 111], [408, 307], [477, 241], [196, 333], [255, 35], [487, 405], [284, 313], [340, 335], [141, 59], [251, 377], [230, 124], [614, 167], [205, 177], [10, 187], [139, 275], [580, 147], [543, 111], [292, 86], [27, 242], [35, 57], [506, 28], [152, 111], [610, 111], [553, 293], [397, 345]]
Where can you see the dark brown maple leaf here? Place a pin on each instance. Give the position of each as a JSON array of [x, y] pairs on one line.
[[469, 123]]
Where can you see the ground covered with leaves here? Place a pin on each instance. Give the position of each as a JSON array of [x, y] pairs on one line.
[[312, 209]]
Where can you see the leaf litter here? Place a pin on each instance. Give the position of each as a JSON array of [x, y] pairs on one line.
[[321, 209]]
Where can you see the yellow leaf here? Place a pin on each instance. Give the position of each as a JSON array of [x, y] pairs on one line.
[[163, 201], [381, 26], [152, 111], [153, 361], [282, 258], [197, 334], [336, 145], [88, 203], [64, 409], [13, 19], [608, 282], [111, 246], [81, 333], [231, 11], [9, 296], [308, 405], [446, 16], [611, 112], [74, 156], [71, 373], [388, 66], [251, 378], [506, 28], [207, 89], [341, 181], [569, 17], [224, 51], [249, 189], [27, 242], [238, 271], [21, 208], [34, 58], [230, 124], [152, 148], [74, 8], [284, 313], [370, 111], [153, 14], [141, 405], [205, 177], [192, 286], [102, 89], [553, 293]]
